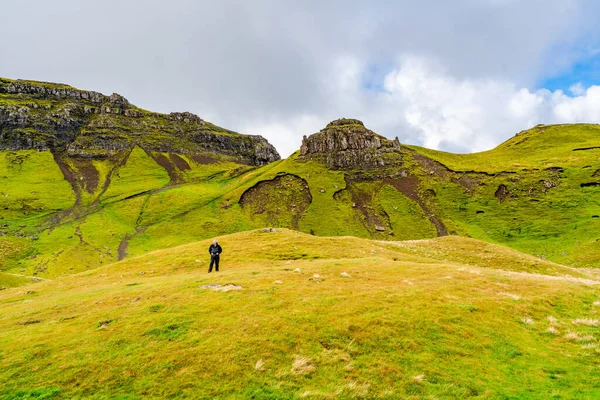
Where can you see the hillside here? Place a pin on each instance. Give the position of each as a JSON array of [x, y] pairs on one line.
[[313, 317], [88, 125], [65, 210], [400, 272], [544, 146]]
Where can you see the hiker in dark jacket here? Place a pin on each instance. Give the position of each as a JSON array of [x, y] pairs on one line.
[[215, 251]]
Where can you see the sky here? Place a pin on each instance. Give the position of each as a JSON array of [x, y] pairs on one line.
[[460, 76]]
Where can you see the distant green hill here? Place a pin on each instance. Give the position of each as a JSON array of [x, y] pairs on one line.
[[81, 187]]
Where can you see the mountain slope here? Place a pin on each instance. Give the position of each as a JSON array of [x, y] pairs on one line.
[[538, 192], [89, 125], [544, 146], [95, 187], [400, 323]]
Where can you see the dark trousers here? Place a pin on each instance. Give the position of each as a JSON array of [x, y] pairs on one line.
[[214, 260]]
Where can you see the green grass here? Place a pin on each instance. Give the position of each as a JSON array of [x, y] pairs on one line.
[[143, 200], [444, 318], [139, 174], [10, 280], [452, 317], [31, 183], [547, 212], [544, 146], [50, 85], [407, 219], [556, 222]]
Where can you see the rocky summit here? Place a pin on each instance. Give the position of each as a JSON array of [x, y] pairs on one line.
[[347, 144], [87, 124]]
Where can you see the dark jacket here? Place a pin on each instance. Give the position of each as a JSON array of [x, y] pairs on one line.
[[215, 249]]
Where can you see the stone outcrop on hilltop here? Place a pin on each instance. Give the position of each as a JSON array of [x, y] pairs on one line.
[[347, 144], [47, 116]]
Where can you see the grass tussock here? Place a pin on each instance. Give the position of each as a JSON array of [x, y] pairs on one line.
[[302, 366], [586, 321]]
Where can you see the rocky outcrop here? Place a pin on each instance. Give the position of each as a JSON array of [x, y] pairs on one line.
[[47, 116], [186, 117], [47, 90], [347, 144]]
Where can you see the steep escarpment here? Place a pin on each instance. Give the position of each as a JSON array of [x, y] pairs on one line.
[[46, 116], [347, 144]]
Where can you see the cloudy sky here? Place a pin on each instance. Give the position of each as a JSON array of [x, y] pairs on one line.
[[461, 75]]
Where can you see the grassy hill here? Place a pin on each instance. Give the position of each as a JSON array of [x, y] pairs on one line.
[[403, 272], [538, 193], [315, 317], [544, 146]]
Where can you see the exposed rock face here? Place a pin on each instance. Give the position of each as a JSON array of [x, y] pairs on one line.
[[46, 116], [347, 144], [186, 117], [59, 91]]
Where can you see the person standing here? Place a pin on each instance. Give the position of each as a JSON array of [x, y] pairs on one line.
[[215, 251]]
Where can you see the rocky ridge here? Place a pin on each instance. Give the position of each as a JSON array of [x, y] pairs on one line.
[[47, 116], [347, 144]]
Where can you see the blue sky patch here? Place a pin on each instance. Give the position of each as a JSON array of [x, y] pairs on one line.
[[374, 76], [586, 72]]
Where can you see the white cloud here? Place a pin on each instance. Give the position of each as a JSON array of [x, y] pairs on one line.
[[577, 89], [423, 104], [286, 136], [283, 69], [476, 114], [443, 109], [582, 108]]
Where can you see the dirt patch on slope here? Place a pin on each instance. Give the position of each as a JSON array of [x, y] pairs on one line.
[[70, 176], [89, 177], [431, 166], [172, 163], [468, 182], [179, 162], [375, 217], [164, 162], [502, 193], [122, 249], [203, 159], [409, 186], [280, 201]]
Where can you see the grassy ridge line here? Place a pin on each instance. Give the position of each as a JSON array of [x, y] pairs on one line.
[[404, 325], [543, 146], [485, 255]]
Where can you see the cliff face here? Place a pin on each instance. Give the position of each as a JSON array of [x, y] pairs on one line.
[[47, 116], [347, 144]]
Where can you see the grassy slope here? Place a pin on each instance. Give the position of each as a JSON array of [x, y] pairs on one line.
[[10, 280], [408, 323], [145, 209], [541, 147], [559, 222]]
